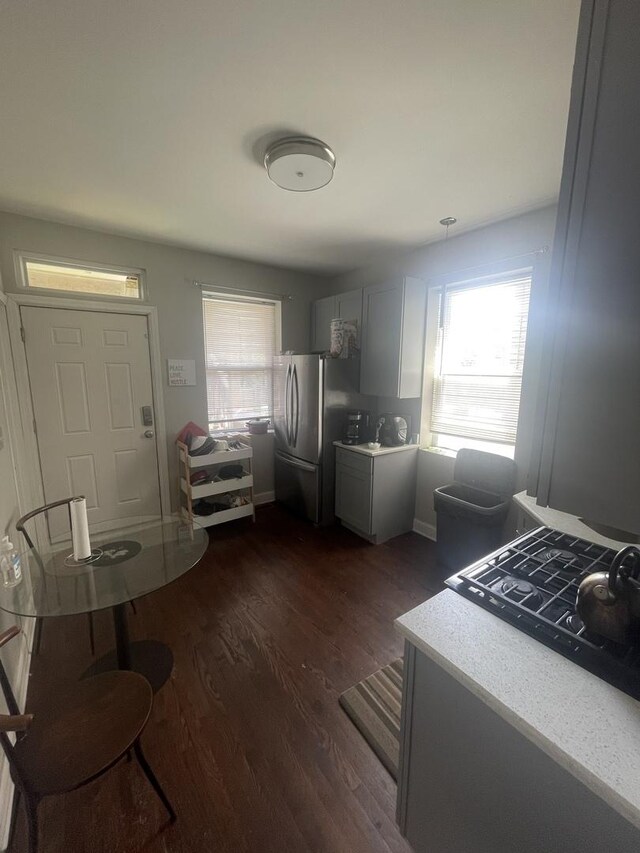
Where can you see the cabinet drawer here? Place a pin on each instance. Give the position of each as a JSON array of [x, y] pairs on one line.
[[353, 459]]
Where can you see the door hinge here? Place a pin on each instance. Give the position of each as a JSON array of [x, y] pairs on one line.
[[22, 334], [35, 428]]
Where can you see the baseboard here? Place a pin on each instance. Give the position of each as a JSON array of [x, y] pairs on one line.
[[264, 498], [424, 529], [7, 790]]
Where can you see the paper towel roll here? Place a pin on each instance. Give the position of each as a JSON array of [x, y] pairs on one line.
[[80, 530]]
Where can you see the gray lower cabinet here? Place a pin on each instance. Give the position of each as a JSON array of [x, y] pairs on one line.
[[393, 328], [375, 495], [343, 306], [468, 782], [354, 487]]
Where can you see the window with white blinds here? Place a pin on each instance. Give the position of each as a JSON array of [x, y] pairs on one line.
[[239, 346], [479, 358]]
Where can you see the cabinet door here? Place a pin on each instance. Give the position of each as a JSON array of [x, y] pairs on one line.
[[588, 462], [322, 313], [353, 497], [349, 306], [381, 339], [393, 323], [447, 769]]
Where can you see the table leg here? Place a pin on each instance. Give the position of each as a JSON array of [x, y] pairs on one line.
[[150, 658], [123, 649]]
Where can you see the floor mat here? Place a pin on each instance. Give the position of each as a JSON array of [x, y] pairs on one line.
[[374, 706]]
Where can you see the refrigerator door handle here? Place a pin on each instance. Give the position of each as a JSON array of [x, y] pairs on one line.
[[287, 402], [296, 463], [297, 398]]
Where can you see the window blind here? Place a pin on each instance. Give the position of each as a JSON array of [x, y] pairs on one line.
[[239, 343], [479, 359]]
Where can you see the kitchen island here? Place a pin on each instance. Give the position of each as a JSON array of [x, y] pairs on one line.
[[508, 746]]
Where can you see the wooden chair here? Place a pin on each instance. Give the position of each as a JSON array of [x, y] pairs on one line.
[[81, 736]]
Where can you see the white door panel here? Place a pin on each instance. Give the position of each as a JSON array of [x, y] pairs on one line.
[[90, 376]]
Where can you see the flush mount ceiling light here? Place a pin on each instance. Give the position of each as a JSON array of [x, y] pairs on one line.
[[300, 163]]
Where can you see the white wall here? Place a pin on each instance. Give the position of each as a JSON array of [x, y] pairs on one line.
[[462, 254], [15, 655], [178, 302], [262, 467]]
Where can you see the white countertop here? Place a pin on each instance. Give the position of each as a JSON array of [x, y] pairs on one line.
[[587, 726], [382, 451], [570, 524]]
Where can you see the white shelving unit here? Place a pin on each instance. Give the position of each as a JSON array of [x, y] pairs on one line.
[[243, 485]]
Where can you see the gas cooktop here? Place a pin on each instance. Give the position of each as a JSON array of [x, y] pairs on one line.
[[533, 583]]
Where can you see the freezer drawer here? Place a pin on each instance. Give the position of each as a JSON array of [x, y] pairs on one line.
[[297, 485]]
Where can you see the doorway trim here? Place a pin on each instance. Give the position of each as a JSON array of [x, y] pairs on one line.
[[14, 424], [32, 457]]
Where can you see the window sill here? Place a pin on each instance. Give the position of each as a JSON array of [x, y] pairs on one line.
[[506, 450], [440, 451], [244, 432]]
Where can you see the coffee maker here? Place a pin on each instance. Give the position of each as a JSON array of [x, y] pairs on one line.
[[357, 427]]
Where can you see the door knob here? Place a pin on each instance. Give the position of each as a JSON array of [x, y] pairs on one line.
[[148, 433]]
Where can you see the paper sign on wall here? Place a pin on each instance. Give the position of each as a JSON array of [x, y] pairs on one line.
[[181, 371]]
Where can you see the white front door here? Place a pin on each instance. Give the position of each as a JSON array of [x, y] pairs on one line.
[[90, 376]]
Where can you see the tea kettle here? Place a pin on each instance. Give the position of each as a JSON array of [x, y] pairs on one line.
[[609, 602]]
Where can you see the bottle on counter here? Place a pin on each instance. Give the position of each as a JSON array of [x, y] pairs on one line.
[[10, 566]]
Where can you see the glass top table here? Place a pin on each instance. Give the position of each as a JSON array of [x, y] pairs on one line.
[[127, 562]]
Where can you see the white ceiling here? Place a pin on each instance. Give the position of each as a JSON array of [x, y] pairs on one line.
[[148, 118]]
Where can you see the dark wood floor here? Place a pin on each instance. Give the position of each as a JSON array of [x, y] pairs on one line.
[[248, 737]]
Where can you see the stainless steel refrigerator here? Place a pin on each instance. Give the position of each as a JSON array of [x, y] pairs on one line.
[[312, 395]]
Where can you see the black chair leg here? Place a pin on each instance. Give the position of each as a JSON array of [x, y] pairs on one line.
[[148, 772], [37, 637], [31, 812], [92, 641]]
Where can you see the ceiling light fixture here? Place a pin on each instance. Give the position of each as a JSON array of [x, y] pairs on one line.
[[448, 221], [300, 163]]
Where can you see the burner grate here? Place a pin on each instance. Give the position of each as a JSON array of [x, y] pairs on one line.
[[533, 583]]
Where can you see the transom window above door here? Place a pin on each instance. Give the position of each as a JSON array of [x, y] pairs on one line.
[[41, 273]]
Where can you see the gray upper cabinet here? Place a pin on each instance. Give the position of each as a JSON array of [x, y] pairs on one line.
[[392, 349], [587, 458], [343, 306], [322, 313], [349, 306]]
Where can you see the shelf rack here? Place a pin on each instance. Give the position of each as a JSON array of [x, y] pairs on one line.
[[187, 493]]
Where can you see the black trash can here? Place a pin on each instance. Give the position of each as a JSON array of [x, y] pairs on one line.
[[472, 510]]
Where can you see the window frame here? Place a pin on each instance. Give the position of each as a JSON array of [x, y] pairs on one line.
[[213, 294], [484, 276], [21, 259]]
